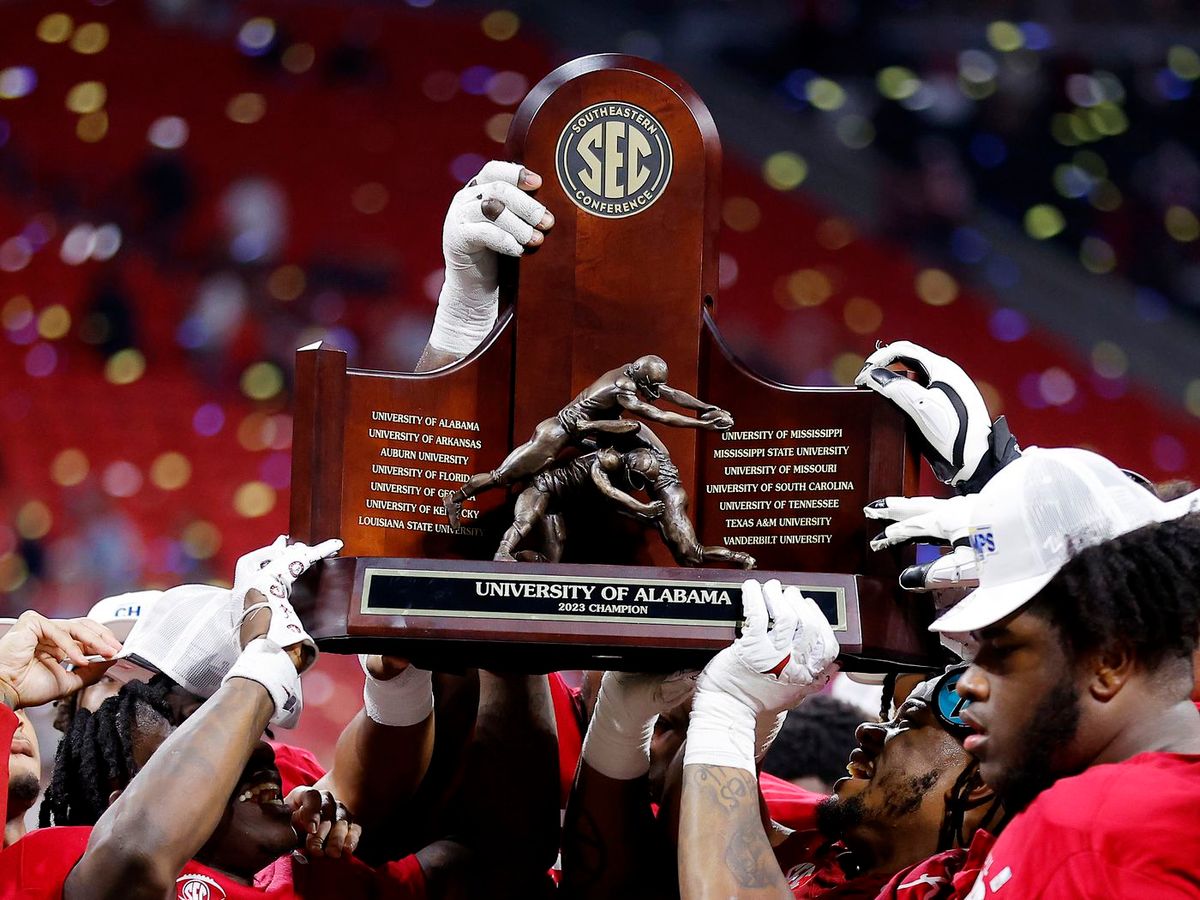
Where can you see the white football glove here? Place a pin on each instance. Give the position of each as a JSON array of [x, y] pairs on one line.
[[471, 238], [276, 573], [929, 519], [957, 569], [785, 653], [962, 445], [618, 738]]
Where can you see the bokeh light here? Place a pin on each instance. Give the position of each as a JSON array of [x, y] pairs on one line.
[[125, 366], [835, 233], [201, 539], [34, 520], [256, 36], [92, 127], [17, 82], [55, 28], [1005, 36], [247, 108], [170, 471], [1181, 224], [785, 170], [808, 287], [1044, 221], [897, 82], [121, 479], [1184, 62], [501, 24], [497, 127], [936, 287], [1191, 397], [845, 368], [90, 38], [286, 283], [40, 360], [208, 420], [69, 467], [262, 381], [298, 58], [507, 88], [86, 97], [1168, 453], [168, 132], [1097, 255], [13, 572], [741, 214], [1109, 360], [825, 94], [1057, 387], [254, 499], [862, 315]]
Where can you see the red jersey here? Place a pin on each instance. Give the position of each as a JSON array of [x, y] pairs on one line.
[[789, 805], [297, 766], [568, 720], [813, 868], [37, 866], [1125, 829], [946, 876]]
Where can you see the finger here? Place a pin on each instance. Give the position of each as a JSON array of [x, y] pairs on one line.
[[306, 812], [498, 170], [787, 616], [519, 229], [315, 845], [486, 234], [56, 639], [754, 608], [94, 637], [897, 508], [323, 550], [516, 200], [336, 839], [353, 836]]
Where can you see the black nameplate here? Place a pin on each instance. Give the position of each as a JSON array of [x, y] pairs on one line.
[[532, 596]]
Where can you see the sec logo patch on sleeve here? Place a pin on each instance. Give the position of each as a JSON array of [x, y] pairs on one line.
[[198, 887]]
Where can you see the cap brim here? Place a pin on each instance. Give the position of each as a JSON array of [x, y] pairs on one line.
[[989, 604], [120, 628]]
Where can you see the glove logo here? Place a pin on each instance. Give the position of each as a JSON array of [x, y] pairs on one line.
[[983, 541], [614, 159]]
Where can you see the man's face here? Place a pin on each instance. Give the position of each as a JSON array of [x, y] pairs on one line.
[[93, 695], [256, 827], [24, 768], [1024, 708], [900, 775]]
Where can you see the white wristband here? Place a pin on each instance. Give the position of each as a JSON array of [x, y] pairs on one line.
[[267, 663], [617, 744], [459, 325], [720, 732], [404, 700]]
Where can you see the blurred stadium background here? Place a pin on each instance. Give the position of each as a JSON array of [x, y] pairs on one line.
[[191, 189]]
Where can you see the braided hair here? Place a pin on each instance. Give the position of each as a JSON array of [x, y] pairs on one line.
[[95, 756], [953, 832]]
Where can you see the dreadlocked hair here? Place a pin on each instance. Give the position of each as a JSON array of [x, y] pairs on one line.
[[958, 804], [95, 756], [1139, 592]]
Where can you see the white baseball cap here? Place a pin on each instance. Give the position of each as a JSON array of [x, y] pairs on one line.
[[189, 634], [1033, 516], [120, 612]]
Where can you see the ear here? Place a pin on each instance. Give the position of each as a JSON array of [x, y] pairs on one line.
[[112, 798], [1111, 670]]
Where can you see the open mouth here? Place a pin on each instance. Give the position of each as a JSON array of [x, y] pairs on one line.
[[261, 788], [860, 765]]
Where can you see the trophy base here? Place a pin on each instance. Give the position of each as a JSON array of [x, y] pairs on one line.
[[450, 615]]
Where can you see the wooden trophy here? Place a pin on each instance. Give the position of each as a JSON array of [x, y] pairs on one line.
[[591, 485]]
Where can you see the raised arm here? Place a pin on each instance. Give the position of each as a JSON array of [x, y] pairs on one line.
[[630, 401], [683, 399], [384, 752], [782, 655], [610, 844], [492, 215]]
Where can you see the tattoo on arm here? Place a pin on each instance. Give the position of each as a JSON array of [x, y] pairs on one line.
[[732, 799]]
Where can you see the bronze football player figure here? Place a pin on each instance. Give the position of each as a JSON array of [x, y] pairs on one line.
[[597, 410]]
